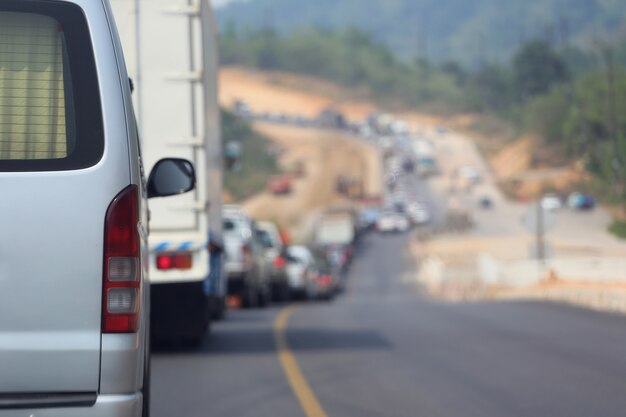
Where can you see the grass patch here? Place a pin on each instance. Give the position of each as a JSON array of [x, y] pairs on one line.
[[257, 165], [618, 228]]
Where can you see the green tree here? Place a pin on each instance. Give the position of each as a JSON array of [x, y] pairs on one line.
[[537, 69], [492, 89]]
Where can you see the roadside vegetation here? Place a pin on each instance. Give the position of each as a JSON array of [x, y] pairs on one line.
[[257, 163], [618, 228], [471, 32], [351, 58], [572, 98]]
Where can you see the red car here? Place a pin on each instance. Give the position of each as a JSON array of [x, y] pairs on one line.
[[279, 184]]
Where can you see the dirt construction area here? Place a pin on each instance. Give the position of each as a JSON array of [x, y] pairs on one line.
[[324, 155], [290, 94]]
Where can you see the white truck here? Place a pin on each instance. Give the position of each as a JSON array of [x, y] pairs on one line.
[[171, 49]]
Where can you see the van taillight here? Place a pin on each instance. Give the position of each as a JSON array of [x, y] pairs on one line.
[[122, 284], [168, 261]]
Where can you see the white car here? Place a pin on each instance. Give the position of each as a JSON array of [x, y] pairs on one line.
[[470, 174], [274, 256], [74, 289], [551, 202], [301, 271], [391, 221], [245, 267], [418, 213]]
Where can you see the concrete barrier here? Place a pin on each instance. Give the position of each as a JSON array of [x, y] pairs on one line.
[[594, 282]]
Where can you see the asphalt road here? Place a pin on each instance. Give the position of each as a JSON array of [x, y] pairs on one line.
[[382, 349]]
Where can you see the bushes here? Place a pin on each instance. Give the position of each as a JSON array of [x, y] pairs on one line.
[[257, 165], [618, 228]]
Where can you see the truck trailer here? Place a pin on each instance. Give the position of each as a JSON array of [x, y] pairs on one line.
[[171, 47]]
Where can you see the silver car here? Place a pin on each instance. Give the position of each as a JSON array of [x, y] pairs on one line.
[[275, 259], [245, 266], [74, 295]]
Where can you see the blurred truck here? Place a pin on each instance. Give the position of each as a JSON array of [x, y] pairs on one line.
[[171, 48]]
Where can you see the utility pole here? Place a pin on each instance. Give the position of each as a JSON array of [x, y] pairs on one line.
[[541, 253]]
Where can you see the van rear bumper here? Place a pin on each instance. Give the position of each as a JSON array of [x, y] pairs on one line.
[[105, 406]]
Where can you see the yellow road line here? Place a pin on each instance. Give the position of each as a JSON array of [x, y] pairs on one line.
[[309, 403]]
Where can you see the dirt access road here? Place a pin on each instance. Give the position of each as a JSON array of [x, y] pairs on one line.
[[326, 154]]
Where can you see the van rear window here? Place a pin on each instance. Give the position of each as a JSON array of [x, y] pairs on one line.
[[33, 112], [50, 113]]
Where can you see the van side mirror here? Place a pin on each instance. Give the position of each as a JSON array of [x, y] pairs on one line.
[[171, 176]]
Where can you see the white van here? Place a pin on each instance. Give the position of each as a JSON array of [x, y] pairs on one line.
[[74, 295]]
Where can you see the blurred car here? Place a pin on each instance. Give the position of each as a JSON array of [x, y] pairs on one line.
[[242, 108], [485, 203], [579, 201], [551, 202], [399, 203], [275, 262], [408, 165], [245, 266], [279, 184], [391, 221], [418, 214], [338, 255], [301, 272], [327, 280], [470, 174], [368, 218]]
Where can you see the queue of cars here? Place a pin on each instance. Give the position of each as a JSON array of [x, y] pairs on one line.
[[404, 166], [262, 267], [575, 201]]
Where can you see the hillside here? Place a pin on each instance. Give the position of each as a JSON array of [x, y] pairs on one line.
[[468, 31]]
